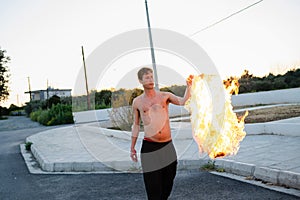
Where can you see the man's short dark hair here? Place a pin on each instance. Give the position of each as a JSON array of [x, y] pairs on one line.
[[142, 71]]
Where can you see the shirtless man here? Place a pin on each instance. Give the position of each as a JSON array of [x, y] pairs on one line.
[[158, 155]]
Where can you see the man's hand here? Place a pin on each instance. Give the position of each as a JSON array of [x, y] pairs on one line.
[[189, 80], [133, 155]]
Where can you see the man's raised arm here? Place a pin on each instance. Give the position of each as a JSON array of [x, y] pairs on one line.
[[181, 100]]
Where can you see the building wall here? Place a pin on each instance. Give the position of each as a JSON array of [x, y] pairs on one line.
[[59, 93], [35, 96], [42, 94]]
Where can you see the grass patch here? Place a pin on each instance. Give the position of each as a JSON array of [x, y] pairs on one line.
[[267, 114], [250, 106], [211, 166], [272, 114], [28, 146], [114, 128]]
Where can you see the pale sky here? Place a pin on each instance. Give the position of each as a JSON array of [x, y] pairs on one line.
[[44, 37]]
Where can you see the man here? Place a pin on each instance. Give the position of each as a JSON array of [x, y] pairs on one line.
[[158, 156]]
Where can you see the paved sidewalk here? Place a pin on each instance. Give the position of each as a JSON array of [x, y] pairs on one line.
[[89, 148]]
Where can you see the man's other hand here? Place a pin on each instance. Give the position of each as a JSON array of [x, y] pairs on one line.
[[133, 155]]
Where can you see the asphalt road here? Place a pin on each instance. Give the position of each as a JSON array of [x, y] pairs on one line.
[[17, 183]]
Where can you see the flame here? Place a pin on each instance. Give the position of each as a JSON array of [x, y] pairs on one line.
[[216, 128]]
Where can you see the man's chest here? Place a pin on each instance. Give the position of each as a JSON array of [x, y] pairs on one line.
[[153, 105]]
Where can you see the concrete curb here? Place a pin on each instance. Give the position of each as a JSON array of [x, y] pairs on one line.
[[274, 176], [242, 169], [34, 167], [114, 166], [276, 128], [47, 166]]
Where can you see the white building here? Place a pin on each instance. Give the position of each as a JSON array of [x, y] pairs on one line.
[[46, 94]]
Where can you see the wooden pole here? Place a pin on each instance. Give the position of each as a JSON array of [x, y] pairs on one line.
[[18, 103], [29, 87], [47, 90], [86, 82]]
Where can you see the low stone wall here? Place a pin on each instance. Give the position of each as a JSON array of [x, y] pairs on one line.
[[268, 97]]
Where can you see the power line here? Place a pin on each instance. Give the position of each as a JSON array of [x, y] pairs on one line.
[[225, 18]]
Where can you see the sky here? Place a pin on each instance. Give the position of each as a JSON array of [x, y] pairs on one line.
[[44, 38]]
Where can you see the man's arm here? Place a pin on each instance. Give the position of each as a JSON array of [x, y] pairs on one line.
[[181, 100], [135, 131]]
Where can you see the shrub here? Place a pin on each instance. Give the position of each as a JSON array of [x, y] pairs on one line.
[[280, 84], [58, 114], [33, 106], [79, 103], [44, 117], [103, 98], [263, 86], [122, 118], [28, 146], [34, 115], [295, 82], [121, 114], [210, 166], [3, 111], [101, 106], [54, 100]]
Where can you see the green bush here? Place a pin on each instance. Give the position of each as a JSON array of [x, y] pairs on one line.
[[34, 115], [3, 111], [250, 83], [101, 106], [58, 114], [28, 146], [54, 100], [44, 117], [280, 84], [263, 86], [33, 106]]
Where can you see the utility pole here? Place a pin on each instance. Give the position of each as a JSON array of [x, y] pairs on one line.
[[28, 78], [86, 82], [152, 49], [47, 89], [18, 103]]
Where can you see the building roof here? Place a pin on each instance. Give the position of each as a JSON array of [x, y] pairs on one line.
[[49, 89]]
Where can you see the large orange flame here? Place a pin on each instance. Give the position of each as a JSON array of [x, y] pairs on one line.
[[216, 128]]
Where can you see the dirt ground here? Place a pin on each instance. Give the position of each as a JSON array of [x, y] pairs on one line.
[[269, 114], [272, 114]]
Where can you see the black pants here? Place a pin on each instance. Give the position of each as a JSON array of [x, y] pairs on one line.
[[159, 163]]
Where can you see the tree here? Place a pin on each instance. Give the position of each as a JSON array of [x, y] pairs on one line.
[[103, 97], [4, 75], [54, 100], [246, 75]]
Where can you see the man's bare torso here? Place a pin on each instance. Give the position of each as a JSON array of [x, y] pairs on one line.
[[154, 114]]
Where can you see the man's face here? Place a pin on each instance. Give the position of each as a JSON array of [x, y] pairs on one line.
[[147, 80]]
